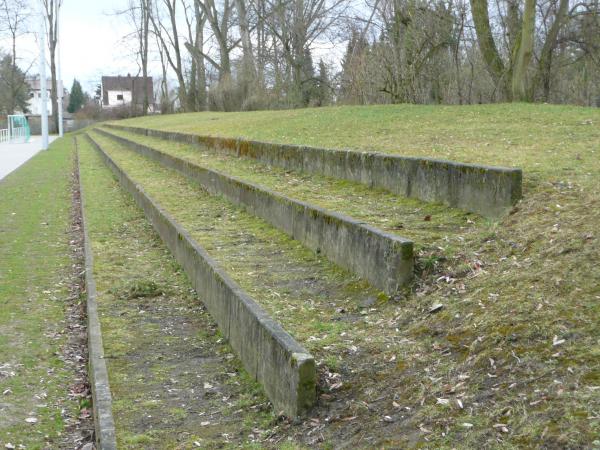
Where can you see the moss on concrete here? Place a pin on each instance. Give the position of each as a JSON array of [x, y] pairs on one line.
[[170, 373], [516, 340]]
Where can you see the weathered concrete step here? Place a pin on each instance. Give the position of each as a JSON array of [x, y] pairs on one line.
[[486, 190], [384, 259], [105, 434], [374, 206], [173, 379], [284, 368]]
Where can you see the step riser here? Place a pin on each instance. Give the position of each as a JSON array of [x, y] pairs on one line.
[[283, 367], [485, 190], [385, 260], [98, 373]]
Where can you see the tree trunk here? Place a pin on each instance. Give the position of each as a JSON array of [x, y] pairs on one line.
[[145, 22], [201, 97], [545, 65], [523, 53], [487, 46], [220, 30], [248, 66], [52, 8]]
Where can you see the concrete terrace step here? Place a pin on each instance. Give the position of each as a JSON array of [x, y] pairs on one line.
[[173, 379], [384, 259], [373, 206], [105, 434], [269, 354], [486, 190]]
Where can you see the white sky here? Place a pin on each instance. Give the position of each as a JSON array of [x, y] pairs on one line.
[[92, 43]]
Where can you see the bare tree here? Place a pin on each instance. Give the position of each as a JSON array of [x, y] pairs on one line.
[[252, 54], [14, 15], [543, 75], [196, 20], [52, 10], [167, 34], [248, 74], [296, 25], [138, 14], [220, 23]]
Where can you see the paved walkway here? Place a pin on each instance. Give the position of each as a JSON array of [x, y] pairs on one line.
[[13, 155]]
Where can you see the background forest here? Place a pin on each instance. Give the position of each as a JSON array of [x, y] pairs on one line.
[[258, 54], [228, 55]]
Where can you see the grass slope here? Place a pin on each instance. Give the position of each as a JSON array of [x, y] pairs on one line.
[[34, 283], [520, 135], [382, 209], [513, 358]]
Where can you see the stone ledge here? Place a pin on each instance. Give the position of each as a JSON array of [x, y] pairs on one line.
[[384, 259], [486, 190], [98, 373], [285, 369]]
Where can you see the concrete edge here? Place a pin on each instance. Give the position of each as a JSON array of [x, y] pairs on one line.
[[281, 365], [487, 190], [98, 373], [384, 259]]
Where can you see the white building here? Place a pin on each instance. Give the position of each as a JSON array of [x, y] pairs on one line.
[[34, 104], [123, 91]]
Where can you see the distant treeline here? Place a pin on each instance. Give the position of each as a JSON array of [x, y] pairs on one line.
[[258, 54]]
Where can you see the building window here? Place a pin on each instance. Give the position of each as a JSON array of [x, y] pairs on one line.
[[32, 95], [120, 97]]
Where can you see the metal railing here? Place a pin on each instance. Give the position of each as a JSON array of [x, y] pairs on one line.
[[17, 134], [4, 135]]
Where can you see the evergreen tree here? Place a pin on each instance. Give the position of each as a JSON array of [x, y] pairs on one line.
[[323, 94], [77, 98], [14, 92], [309, 80]]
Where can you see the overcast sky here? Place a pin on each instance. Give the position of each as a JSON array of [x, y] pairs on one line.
[[92, 43]]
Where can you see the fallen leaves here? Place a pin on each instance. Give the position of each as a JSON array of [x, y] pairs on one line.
[[436, 308], [501, 427], [333, 381]]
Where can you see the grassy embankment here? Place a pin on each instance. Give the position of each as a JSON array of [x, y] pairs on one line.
[[387, 211], [36, 409], [513, 358]]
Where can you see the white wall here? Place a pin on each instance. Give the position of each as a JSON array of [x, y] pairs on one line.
[[113, 98], [35, 103]]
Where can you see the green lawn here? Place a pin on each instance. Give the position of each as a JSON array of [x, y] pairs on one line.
[[538, 138], [513, 358], [35, 266]]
